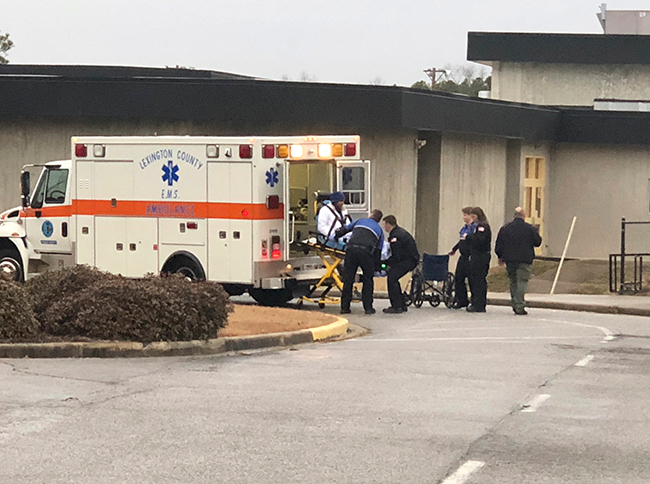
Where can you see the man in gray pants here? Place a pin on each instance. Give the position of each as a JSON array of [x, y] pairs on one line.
[[515, 247]]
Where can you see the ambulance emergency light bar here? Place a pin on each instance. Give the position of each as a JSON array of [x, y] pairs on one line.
[[293, 151]]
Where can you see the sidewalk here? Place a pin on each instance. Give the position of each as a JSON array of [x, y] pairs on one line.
[[606, 303]]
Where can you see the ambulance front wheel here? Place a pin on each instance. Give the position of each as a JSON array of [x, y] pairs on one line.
[[186, 264], [271, 297], [10, 267]]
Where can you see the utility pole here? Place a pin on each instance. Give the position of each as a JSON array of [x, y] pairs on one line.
[[435, 75]]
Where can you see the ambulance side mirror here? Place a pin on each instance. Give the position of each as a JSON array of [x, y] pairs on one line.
[[24, 188]]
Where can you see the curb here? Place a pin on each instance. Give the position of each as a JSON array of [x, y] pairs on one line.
[[589, 308], [125, 349]]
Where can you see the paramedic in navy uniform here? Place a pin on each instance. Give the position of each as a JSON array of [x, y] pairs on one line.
[[362, 250], [462, 266], [404, 258], [479, 260]]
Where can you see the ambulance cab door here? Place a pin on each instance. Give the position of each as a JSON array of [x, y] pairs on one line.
[[353, 179], [48, 217]]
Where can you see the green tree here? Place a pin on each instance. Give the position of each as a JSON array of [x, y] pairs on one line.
[[461, 80], [421, 85], [5, 45]]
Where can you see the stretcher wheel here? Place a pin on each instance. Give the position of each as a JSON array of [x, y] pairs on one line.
[[321, 305], [448, 290], [417, 291], [434, 300]]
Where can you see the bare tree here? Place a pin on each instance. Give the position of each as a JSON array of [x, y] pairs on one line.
[[306, 77]]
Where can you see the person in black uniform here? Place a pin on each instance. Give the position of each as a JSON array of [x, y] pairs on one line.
[[404, 258], [479, 260], [362, 250], [462, 266]]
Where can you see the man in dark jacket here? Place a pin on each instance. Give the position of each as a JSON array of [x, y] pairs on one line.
[[362, 250], [515, 247], [404, 258]]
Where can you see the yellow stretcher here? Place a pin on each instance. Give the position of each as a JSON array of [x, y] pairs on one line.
[[331, 258]]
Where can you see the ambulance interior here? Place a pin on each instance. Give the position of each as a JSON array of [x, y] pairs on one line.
[[311, 182], [307, 179]]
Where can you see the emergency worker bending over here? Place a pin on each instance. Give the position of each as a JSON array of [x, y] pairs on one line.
[[331, 217], [363, 250], [404, 258]]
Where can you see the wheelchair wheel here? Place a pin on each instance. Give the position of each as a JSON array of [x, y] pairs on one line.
[[407, 296], [448, 291], [434, 300], [417, 290]]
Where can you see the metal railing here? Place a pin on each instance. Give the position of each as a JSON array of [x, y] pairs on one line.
[[622, 286], [618, 261]]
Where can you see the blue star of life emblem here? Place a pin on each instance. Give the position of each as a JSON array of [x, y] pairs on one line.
[[272, 177], [47, 228], [170, 173]]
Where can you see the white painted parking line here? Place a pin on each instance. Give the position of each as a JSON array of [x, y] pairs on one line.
[[535, 403], [464, 472], [505, 339], [473, 328], [585, 360], [609, 336]]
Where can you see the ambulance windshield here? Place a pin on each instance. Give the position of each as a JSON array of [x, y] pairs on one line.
[[51, 188]]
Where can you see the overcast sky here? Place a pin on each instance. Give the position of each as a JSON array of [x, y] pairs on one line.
[[347, 41]]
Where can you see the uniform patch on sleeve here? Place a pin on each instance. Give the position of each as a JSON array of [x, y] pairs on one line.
[[481, 229], [394, 239]]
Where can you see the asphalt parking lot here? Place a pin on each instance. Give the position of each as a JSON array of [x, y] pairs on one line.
[[434, 395]]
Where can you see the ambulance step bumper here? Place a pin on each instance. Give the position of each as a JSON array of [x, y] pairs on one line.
[[278, 283]]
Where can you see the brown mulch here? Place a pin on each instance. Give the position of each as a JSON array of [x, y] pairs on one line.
[[248, 320]]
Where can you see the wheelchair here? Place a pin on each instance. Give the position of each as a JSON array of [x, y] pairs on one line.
[[431, 281]]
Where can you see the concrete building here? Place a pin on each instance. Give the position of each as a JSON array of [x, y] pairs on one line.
[[432, 152], [598, 167], [563, 69], [635, 22]]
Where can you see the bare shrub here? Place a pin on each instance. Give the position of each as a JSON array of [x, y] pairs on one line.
[[17, 322], [167, 308]]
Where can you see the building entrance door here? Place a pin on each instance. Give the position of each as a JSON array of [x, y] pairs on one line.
[[534, 185]]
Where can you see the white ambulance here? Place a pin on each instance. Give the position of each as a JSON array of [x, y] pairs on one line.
[[227, 209]]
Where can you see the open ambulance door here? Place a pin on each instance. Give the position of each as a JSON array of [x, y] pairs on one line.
[[289, 215], [353, 179]]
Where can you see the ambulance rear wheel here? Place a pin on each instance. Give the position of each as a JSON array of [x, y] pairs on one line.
[[234, 289], [186, 265], [271, 297], [10, 267]]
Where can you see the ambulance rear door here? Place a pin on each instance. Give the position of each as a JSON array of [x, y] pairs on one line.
[[353, 179]]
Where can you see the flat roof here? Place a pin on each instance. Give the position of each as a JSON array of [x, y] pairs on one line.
[[488, 47], [88, 71], [312, 106]]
